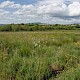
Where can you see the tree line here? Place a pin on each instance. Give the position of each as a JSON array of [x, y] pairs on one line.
[[38, 27]]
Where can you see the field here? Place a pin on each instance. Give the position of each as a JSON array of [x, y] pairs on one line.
[[33, 55]]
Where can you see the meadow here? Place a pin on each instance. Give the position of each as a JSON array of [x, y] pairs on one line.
[[29, 55]]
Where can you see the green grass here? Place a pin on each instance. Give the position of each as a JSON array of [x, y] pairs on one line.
[[28, 55]]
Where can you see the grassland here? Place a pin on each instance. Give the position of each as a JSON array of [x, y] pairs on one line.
[[28, 55]]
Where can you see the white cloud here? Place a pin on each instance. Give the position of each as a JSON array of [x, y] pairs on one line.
[[55, 9], [15, 6], [10, 4], [3, 12], [74, 0], [42, 10], [25, 10], [59, 8], [6, 4], [74, 9], [46, 2], [27, 7]]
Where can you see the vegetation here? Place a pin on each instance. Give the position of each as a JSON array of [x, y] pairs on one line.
[[38, 27], [29, 55]]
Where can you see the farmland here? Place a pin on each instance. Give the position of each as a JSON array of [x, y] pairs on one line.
[[28, 55]]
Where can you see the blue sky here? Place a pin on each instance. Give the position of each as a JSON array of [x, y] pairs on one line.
[[25, 1], [46, 11], [22, 1]]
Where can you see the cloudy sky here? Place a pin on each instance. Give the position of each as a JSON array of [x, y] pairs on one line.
[[45, 11]]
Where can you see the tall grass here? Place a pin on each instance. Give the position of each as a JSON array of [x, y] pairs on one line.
[[28, 55]]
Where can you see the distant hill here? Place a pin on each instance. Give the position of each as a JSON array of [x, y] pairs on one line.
[[2, 24]]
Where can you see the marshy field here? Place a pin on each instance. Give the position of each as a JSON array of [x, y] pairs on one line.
[[43, 55]]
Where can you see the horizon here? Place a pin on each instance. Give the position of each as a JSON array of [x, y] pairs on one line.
[[43, 11], [43, 23]]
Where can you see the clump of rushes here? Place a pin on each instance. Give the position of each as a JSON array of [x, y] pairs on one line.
[[40, 55]]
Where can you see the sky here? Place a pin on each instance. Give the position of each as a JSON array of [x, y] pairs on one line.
[[44, 11]]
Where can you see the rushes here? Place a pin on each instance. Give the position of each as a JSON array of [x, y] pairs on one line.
[[27, 56]]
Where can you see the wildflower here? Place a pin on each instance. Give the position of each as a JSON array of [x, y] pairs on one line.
[[36, 44]]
